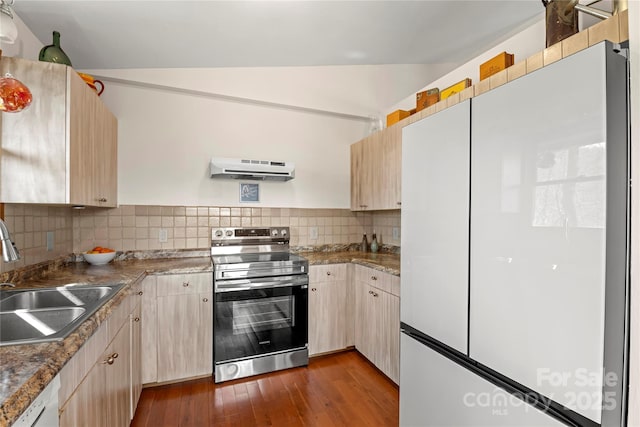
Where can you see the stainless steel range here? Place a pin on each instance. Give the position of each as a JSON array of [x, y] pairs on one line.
[[261, 309]]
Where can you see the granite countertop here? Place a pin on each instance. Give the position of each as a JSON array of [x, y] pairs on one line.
[[28, 369], [386, 262]]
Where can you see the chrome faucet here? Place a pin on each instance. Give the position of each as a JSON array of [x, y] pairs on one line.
[[9, 251]]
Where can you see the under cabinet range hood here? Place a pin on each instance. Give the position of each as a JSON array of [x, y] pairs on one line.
[[258, 170]]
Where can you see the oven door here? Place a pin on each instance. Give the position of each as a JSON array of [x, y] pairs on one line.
[[260, 316]]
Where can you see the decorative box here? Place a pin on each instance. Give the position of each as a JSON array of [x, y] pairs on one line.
[[427, 98], [396, 116], [458, 87], [495, 64]]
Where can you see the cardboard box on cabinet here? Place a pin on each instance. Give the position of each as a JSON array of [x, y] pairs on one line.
[[496, 64]]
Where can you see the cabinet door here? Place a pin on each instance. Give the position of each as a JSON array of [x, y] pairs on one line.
[[185, 325], [178, 320], [388, 338], [149, 351], [327, 317], [358, 176], [117, 367], [37, 134], [390, 171], [93, 148], [88, 405], [203, 358], [365, 324], [136, 356]]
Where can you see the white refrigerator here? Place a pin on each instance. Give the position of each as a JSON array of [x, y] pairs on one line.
[[514, 299]]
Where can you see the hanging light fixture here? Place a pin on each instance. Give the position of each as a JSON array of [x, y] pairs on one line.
[[8, 29]]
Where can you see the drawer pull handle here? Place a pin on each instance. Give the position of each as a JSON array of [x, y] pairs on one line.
[[374, 294], [205, 299], [313, 289], [140, 293], [102, 199], [137, 319], [328, 273], [185, 284], [374, 278]]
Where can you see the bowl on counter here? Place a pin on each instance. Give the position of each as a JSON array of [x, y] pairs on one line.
[[100, 258]]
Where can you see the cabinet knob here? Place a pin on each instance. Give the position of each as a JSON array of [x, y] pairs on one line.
[[102, 199], [374, 278], [375, 294], [205, 299], [399, 203], [328, 273], [109, 360], [137, 319], [140, 293], [313, 289], [185, 284]]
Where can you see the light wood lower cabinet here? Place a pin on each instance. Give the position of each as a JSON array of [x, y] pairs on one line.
[[149, 353], [100, 385], [377, 320], [136, 354], [178, 334], [103, 397], [328, 319]]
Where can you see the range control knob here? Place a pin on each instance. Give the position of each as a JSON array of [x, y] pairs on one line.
[[218, 233], [274, 232], [283, 232], [229, 233]]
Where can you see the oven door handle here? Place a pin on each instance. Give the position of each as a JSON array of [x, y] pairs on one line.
[[235, 287]]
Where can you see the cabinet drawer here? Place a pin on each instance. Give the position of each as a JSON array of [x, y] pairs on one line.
[[378, 279], [180, 284], [327, 273]]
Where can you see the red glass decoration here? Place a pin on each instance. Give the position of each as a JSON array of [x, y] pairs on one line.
[[14, 95]]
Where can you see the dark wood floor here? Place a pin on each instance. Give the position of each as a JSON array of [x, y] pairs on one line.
[[341, 389]]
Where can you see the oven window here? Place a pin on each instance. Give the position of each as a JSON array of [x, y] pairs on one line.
[[262, 314], [254, 322]]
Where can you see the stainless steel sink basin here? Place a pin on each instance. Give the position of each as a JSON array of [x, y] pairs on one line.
[[49, 314], [49, 298], [34, 324]]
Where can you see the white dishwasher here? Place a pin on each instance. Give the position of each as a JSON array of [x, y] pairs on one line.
[[43, 411]]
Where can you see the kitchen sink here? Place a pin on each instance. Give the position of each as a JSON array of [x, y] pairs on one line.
[[49, 314], [35, 324]]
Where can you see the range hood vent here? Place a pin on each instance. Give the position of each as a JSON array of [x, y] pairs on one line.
[[257, 170]]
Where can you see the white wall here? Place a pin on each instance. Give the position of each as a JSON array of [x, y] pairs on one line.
[[167, 136], [524, 44], [26, 46]]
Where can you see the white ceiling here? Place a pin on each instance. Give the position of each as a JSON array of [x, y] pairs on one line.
[[185, 34]]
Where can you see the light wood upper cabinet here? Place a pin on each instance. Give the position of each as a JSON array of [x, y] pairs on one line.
[[375, 171], [63, 148]]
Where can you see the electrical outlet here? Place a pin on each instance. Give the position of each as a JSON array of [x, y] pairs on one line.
[[162, 235], [396, 233], [50, 242], [313, 233]]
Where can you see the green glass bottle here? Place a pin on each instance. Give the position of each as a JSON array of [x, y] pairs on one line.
[[54, 53]]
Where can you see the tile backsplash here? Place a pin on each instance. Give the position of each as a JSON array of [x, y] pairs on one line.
[[29, 225], [137, 227]]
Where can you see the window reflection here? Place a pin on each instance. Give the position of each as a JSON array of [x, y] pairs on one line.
[[570, 187]]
